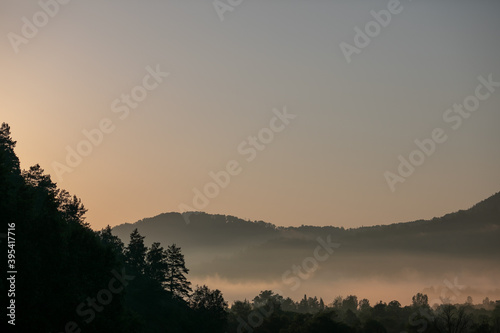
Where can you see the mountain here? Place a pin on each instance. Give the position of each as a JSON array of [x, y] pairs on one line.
[[245, 255]]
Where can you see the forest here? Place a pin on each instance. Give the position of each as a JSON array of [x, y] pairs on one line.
[[74, 279]]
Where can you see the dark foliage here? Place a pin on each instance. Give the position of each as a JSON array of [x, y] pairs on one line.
[[74, 279]]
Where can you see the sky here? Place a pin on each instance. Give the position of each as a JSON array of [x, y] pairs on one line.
[[291, 112]]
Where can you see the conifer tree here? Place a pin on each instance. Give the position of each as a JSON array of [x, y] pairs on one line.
[[156, 263], [176, 281], [135, 252], [112, 241]]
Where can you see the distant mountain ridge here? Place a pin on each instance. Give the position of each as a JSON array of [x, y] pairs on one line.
[[226, 230], [242, 251]]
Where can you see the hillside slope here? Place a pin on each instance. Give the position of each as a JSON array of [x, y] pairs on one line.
[[422, 252]]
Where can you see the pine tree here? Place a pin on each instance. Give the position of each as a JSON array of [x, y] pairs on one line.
[[62, 260], [135, 252], [176, 281], [303, 306], [9, 163], [156, 263], [112, 241], [71, 208]]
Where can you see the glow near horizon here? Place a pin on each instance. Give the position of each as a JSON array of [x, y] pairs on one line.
[[325, 168]]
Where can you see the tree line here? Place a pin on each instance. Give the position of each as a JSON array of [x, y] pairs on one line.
[[74, 279], [270, 312]]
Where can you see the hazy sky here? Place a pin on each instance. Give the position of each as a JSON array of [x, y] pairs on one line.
[[68, 71]]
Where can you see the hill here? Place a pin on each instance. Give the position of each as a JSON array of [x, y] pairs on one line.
[[241, 254]]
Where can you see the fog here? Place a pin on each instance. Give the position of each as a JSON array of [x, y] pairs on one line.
[[449, 258]]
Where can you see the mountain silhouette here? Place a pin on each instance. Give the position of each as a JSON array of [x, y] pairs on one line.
[[424, 251]]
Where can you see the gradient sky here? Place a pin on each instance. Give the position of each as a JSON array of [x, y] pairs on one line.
[[326, 168]]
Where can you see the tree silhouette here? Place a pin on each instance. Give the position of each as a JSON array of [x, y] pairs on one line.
[[211, 308], [451, 319], [364, 304], [113, 242], [176, 281], [288, 305], [71, 207], [266, 297], [135, 252], [67, 267], [337, 302], [420, 300], [303, 305], [63, 261], [241, 308], [156, 260], [350, 303]]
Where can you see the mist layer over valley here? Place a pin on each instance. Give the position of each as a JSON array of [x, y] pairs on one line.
[[449, 258]]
